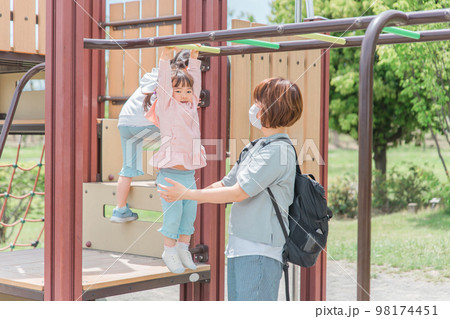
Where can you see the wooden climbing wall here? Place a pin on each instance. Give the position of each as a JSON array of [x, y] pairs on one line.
[[25, 20], [300, 67], [126, 67]]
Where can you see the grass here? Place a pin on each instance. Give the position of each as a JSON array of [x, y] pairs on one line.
[[401, 241], [345, 161]]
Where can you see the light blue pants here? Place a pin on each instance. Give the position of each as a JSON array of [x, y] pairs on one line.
[[179, 216], [253, 278], [132, 140]]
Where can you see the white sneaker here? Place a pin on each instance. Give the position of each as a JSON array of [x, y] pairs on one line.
[[173, 262], [186, 258]]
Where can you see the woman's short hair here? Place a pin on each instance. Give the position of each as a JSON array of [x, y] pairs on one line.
[[280, 101]]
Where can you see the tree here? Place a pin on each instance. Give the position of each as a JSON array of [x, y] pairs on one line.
[[394, 119], [425, 78]]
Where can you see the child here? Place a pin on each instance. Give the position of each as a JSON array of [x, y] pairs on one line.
[[180, 154], [134, 127]]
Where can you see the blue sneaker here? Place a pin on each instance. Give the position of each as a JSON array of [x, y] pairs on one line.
[[123, 215]]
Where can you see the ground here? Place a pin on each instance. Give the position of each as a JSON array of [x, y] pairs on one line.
[[341, 286]]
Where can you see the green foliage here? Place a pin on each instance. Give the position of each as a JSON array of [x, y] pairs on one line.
[[405, 183], [342, 197], [403, 96], [410, 183]]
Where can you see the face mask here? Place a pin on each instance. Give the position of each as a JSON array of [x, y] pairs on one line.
[[256, 122]]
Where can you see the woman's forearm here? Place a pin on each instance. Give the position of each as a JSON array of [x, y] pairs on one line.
[[215, 185], [217, 195]]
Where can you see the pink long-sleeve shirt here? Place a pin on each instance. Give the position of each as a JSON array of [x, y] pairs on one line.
[[178, 122]]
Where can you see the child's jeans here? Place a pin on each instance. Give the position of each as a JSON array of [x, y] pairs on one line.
[[179, 216], [133, 139]]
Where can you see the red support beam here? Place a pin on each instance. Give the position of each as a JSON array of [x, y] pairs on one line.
[[69, 134], [199, 15], [313, 280], [94, 86]]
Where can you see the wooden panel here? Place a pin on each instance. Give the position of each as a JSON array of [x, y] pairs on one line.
[[260, 70], [148, 56], [178, 26], [137, 237], [24, 26], [4, 25], [166, 8], [131, 269], [297, 75], [131, 60], [41, 27], [4, 297], [241, 78], [115, 74], [31, 104], [310, 153], [112, 154]]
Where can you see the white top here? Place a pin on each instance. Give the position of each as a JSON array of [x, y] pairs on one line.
[[132, 113], [238, 247]]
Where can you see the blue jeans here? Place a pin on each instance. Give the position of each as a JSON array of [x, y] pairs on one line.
[[253, 278], [179, 216], [132, 140]]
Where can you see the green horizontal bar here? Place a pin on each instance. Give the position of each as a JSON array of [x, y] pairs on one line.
[[402, 32], [258, 43], [202, 48], [324, 37]]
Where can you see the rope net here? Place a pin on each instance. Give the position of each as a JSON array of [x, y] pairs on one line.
[[13, 215]]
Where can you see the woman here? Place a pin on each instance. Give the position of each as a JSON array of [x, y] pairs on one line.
[[256, 240]]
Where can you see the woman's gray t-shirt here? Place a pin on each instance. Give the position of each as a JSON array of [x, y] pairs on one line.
[[271, 166]]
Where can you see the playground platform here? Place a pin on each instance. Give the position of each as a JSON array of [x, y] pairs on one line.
[[104, 274]]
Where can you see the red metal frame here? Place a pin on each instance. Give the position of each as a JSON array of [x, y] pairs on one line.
[[70, 139], [198, 16], [313, 280], [73, 82]]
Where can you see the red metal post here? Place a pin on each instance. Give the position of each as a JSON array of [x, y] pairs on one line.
[[199, 15], [67, 116], [313, 280], [94, 86]]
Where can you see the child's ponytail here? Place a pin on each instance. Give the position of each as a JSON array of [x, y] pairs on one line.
[[146, 104]]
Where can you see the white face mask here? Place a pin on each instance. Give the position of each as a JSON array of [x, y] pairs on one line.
[[256, 122]]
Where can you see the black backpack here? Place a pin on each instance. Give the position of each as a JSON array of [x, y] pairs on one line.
[[308, 221]]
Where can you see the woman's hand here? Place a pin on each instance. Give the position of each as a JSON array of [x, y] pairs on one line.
[[194, 53], [172, 193]]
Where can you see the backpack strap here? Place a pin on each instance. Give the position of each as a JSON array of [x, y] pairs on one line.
[[246, 149], [287, 140], [277, 210], [286, 236]]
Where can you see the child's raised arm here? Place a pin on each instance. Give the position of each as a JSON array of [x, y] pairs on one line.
[[164, 90], [194, 71]]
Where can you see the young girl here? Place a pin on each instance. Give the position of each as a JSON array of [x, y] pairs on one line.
[[256, 240], [179, 155], [135, 125]]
